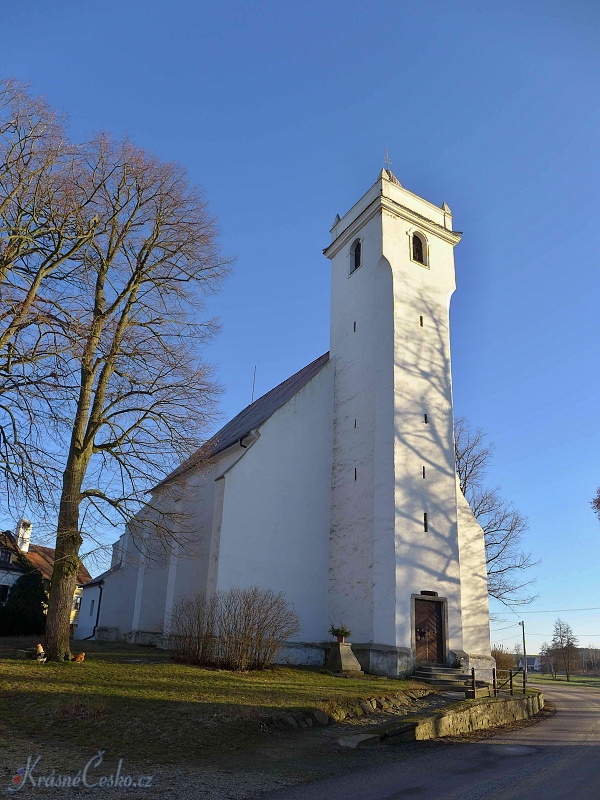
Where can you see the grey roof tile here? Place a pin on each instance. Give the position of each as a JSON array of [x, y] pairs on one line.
[[253, 416]]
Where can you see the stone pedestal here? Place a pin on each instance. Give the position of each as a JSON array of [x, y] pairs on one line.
[[342, 659], [483, 664]]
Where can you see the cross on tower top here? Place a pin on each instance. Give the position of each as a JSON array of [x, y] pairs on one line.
[[387, 161]]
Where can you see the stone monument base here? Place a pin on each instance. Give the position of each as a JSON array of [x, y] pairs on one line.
[[342, 659]]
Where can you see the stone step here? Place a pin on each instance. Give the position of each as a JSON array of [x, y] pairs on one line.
[[448, 676], [458, 688], [435, 668], [440, 678], [458, 685]]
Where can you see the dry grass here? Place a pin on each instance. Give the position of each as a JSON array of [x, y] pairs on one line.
[[135, 701]]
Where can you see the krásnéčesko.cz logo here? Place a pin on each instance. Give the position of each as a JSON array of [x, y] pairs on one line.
[[88, 777]]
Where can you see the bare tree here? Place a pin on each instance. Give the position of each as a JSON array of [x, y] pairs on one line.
[[503, 526], [40, 231], [548, 659], [590, 657], [595, 503], [135, 396], [564, 646]]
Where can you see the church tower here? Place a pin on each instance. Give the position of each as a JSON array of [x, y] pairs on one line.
[[407, 560]]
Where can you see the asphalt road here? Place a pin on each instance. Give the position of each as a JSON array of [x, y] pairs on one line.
[[557, 759]]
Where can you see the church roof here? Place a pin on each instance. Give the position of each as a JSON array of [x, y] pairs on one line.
[[100, 579], [252, 417]]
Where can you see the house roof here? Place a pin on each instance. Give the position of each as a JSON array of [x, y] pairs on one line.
[[41, 558], [253, 416]]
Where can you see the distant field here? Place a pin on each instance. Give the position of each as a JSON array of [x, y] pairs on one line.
[[579, 680]]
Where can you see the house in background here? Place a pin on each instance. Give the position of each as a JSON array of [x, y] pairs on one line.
[[533, 663], [38, 557]]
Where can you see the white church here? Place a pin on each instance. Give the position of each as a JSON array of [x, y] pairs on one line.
[[338, 486]]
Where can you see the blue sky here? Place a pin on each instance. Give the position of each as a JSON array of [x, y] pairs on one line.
[[281, 111]]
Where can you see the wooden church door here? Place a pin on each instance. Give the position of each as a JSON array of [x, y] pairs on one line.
[[428, 632]]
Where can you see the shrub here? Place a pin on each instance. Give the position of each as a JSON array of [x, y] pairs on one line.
[[24, 613], [504, 658], [193, 630], [238, 629]]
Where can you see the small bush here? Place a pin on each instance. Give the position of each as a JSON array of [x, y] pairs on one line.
[[238, 629], [193, 630], [505, 660], [340, 630]]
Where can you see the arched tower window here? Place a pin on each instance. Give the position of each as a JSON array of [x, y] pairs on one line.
[[418, 249], [355, 255]]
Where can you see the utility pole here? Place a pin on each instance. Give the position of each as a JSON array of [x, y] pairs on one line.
[[522, 624]]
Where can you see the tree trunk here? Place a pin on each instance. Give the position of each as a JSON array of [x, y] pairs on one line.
[[64, 576]]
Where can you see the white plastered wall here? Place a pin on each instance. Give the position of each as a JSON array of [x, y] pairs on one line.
[[274, 523], [361, 569], [118, 597], [475, 602], [88, 612], [425, 559], [142, 595]]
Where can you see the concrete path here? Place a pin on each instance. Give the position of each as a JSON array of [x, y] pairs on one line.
[[557, 759]]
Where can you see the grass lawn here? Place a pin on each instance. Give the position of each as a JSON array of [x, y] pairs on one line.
[[132, 699], [576, 680]]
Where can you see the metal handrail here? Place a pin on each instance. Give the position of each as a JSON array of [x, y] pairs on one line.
[[510, 680]]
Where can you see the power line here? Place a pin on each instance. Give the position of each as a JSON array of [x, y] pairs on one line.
[[577, 635], [506, 638], [561, 610], [547, 611]]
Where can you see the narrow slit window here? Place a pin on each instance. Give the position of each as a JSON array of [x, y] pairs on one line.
[[355, 256], [425, 523], [355, 423], [354, 473], [425, 420], [355, 326], [421, 321], [92, 607], [423, 471]]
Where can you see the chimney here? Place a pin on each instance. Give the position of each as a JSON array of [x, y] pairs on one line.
[[23, 535]]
